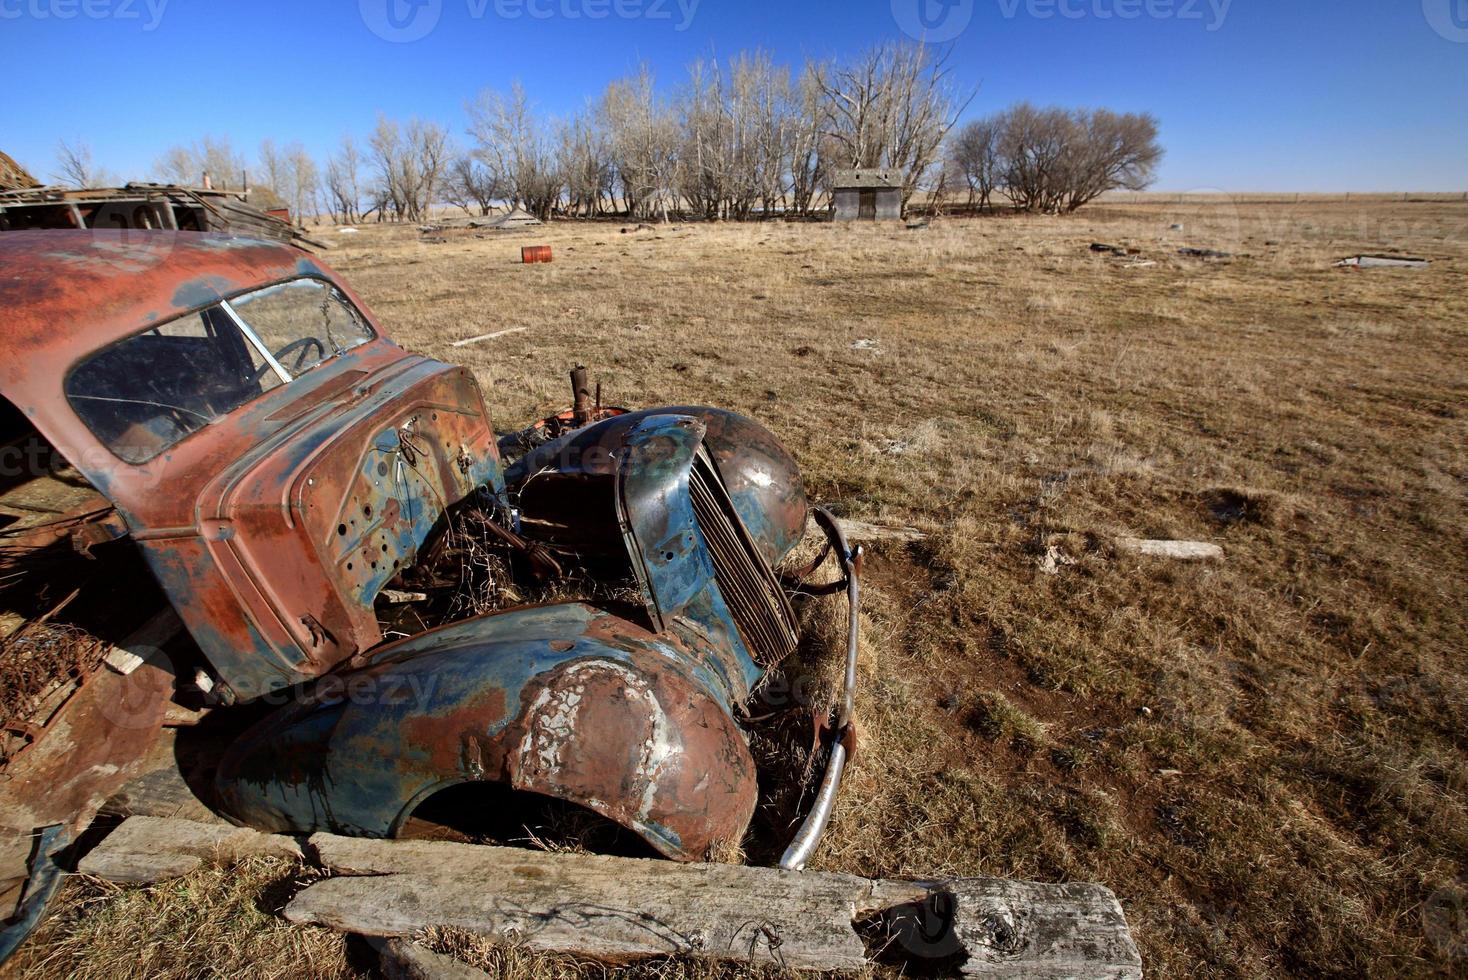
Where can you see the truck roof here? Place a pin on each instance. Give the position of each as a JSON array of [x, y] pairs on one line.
[[67, 293]]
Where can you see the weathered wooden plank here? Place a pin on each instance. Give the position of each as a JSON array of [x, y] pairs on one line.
[[615, 909], [488, 336], [1182, 550], [864, 531], [149, 849], [619, 910], [1013, 929]]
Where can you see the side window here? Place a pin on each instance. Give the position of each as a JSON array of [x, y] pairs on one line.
[[157, 387], [148, 392]]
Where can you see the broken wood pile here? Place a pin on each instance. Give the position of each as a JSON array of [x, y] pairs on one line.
[[13, 175], [140, 205], [619, 910]]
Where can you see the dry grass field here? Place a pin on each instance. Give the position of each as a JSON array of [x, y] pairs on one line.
[[1263, 756]]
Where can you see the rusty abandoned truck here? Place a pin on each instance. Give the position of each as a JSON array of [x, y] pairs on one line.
[[297, 485]]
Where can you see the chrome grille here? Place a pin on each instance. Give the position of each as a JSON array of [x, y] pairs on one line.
[[753, 594]]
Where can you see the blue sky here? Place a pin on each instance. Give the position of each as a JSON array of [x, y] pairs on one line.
[[1325, 95]]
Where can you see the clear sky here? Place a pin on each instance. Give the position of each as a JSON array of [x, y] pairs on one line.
[[1309, 95]]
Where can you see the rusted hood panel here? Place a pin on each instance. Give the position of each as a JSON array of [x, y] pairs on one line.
[[292, 542]]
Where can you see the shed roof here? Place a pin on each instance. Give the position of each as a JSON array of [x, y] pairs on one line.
[[875, 177]]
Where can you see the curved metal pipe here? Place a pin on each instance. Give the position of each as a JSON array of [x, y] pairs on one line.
[[803, 846]]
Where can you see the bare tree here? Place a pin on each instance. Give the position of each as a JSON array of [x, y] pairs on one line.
[[305, 181], [810, 151], [212, 155], [429, 150], [584, 159], [768, 96], [410, 160], [177, 166], [644, 140], [974, 156], [1110, 151], [1059, 160], [737, 130], [516, 146], [74, 166], [470, 185], [891, 107], [343, 176], [1034, 145], [273, 171], [386, 144]]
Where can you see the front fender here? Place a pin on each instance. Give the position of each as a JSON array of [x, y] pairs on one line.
[[567, 701]]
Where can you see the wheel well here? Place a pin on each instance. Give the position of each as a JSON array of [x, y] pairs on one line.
[[498, 814]]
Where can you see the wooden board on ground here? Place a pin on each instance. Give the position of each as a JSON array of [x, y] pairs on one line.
[[620, 910], [145, 850], [1183, 550]]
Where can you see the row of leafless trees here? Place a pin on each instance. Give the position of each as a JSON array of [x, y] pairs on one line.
[[741, 137], [1054, 159], [737, 139]]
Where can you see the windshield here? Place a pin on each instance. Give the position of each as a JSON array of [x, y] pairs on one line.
[[150, 391]]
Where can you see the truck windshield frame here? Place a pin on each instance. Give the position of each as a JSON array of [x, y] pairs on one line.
[[148, 392]]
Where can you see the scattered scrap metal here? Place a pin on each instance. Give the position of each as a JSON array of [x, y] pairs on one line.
[[1117, 250]]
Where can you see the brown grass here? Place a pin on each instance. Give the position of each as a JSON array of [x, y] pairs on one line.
[[1263, 757], [216, 922]]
